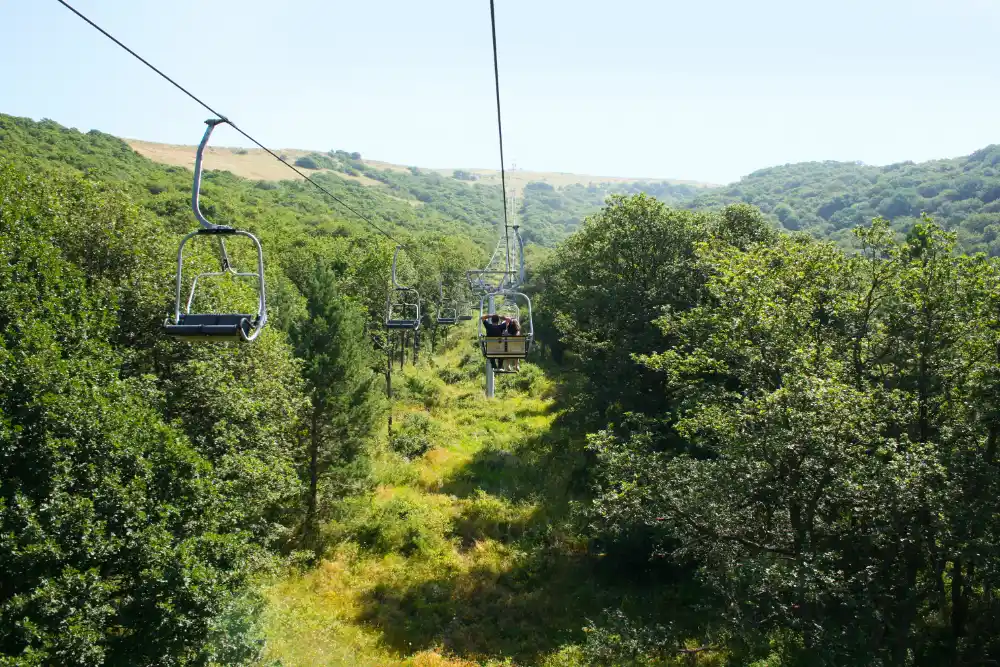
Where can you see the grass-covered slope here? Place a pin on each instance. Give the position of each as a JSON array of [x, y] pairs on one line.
[[166, 189], [468, 552]]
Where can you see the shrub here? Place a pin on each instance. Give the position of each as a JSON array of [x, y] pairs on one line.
[[528, 379], [414, 437], [450, 375], [429, 389], [410, 445], [306, 162], [400, 525]]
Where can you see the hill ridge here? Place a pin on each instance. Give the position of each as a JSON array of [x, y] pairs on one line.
[[249, 163]]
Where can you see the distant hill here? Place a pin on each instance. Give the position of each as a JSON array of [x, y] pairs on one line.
[[256, 164], [549, 205], [827, 199], [823, 199]]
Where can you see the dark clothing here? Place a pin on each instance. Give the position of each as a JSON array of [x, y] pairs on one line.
[[495, 329], [498, 329]]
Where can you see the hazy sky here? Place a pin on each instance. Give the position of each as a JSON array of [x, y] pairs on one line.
[[707, 89]]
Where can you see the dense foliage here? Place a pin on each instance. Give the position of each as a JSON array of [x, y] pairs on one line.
[[773, 451], [828, 199], [147, 484], [820, 442]]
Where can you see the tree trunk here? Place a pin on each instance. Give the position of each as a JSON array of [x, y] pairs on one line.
[[388, 389], [311, 500], [958, 606]]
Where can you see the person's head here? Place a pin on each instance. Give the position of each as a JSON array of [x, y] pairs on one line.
[[514, 327], [495, 319]]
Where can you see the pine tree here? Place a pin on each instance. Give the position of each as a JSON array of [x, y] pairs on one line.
[[344, 392]]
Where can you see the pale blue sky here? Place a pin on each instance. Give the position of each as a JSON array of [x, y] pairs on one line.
[[707, 90]]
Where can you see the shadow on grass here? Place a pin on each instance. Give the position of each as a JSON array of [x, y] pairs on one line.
[[557, 582], [538, 605], [542, 468], [520, 492]]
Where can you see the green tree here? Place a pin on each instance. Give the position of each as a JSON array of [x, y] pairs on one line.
[[840, 466], [607, 284], [116, 544], [345, 397]]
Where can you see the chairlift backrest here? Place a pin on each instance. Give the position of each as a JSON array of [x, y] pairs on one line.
[[447, 314], [402, 306]]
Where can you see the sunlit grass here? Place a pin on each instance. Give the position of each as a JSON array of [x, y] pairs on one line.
[[434, 557]]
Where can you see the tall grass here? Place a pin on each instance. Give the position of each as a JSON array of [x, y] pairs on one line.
[[467, 554]]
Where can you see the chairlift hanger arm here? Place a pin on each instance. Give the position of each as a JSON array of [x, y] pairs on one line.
[[395, 282], [208, 226], [520, 254], [198, 167]]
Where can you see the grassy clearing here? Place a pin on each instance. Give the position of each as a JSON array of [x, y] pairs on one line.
[[467, 552]]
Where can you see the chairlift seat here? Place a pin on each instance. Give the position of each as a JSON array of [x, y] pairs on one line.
[[505, 347], [464, 318], [447, 320], [200, 326], [402, 324]]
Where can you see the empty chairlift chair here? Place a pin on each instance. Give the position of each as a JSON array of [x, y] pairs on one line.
[[402, 306], [447, 315], [193, 326]]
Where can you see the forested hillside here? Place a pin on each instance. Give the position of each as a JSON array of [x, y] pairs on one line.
[[549, 211], [828, 199], [731, 446], [166, 191], [147, 485], [824, 199]]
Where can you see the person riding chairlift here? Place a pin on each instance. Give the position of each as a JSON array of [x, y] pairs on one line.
[[495, 327], [513, 329]]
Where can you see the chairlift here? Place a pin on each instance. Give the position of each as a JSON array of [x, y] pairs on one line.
[[507, 346], [447, 315], [402, 306], [214, 326], [494, 284]]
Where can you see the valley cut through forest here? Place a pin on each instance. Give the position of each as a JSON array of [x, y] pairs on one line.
[[758, 427]]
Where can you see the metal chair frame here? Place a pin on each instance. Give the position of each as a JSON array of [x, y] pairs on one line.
[[396, 301], [215, 327]]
